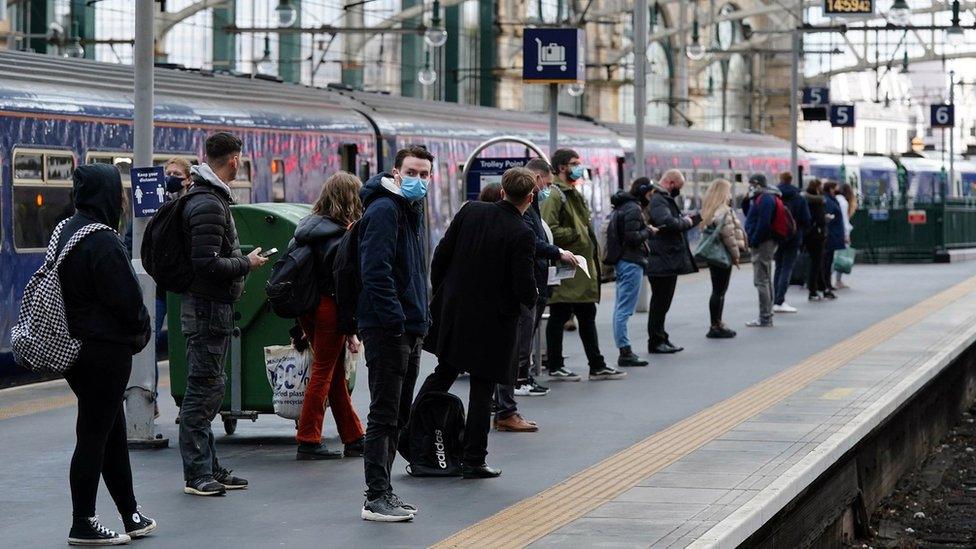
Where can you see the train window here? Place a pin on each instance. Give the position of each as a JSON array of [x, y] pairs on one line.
[[121, 161], [28, 166], [41, 196], [240, 188], [243, 170], [347, 154], [277, 180], [364, 170]]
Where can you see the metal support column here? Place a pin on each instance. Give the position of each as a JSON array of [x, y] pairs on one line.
[[640, 110], [352, 64], [452, 53], [411, 54], [487, 47], [290, 50], [140, 397], [794, 86], [224, 44], [553, 118], [952, 139]]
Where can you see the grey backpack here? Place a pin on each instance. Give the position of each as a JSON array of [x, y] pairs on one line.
[[40, 338]]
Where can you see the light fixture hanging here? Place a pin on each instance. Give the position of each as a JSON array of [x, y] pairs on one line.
[[955, 35], [900, 13], [427, 76], [576, 89], [74, 47], [695, 51], [435, 36], [263, 65], [286, 13]]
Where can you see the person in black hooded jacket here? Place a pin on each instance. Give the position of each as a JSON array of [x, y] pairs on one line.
[[103, 305], [207, 311], [631, 232]]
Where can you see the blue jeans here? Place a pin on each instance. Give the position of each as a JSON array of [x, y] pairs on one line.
[[629, 277], [785, 260]]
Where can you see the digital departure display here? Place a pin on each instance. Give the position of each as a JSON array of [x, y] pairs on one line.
[[848, 7]]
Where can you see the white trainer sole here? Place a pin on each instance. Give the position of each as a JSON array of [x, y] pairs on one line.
[[195, 492], [121, 540], [142, 532], [376, 517]]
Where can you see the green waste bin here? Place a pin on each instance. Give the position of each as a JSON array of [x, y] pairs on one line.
[[255, 325]]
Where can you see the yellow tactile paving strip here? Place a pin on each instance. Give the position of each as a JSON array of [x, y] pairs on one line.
[[539, 515]]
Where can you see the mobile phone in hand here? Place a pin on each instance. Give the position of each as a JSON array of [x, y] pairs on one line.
[[268, 253]]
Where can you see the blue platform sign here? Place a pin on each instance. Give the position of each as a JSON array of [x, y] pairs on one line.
[[484, 171], [816, 96], [148, 190], [553, 56], [842, 116], [943, 116]]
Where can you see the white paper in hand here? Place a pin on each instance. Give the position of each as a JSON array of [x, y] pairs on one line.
[[582, 265]]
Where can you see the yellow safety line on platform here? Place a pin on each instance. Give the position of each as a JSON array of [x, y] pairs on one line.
[[539, 515], [47, 404]]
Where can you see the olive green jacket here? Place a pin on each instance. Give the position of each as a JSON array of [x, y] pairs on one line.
[[568, 216]]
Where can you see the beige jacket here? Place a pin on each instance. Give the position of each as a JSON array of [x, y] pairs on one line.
[[733, 236]]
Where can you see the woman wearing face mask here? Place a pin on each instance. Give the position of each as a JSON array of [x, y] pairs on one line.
[[717, 212]]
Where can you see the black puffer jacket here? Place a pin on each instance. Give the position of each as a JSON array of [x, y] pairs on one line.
[[633, 232], [102, 298], [670, 255], [322, 234], [219, 267]]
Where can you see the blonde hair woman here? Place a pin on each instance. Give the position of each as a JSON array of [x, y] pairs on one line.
[[336, 209], [717, 212]]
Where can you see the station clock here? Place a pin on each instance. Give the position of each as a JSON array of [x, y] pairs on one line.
[[848, 7]]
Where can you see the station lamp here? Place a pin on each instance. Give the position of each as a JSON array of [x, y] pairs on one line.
[[695, 51], [576, 89], [74, 47], [955, 35], [286, 13], [263, 65], [435, 36], [900, 13], [427, 75]]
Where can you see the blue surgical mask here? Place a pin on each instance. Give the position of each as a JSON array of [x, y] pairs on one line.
[[576, 173], [544, 194], [413, 188]]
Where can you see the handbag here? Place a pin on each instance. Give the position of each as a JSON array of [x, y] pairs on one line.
[[711, 249], [844, 260]]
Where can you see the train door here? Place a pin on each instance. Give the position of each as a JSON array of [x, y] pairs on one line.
[[348, 153]]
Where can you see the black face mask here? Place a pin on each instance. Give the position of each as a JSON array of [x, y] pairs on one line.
[[675, 193]]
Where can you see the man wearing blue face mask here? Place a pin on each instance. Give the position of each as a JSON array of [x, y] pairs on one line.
[[392, 316], [568, 215]]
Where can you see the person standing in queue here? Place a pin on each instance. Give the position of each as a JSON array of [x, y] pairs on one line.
[[760, 207], [669, 257], [815, 239], [392, 316], [336, 209], [484, 282], [104, 310], [507, 416], [632, 233], [848, 207], [568, 216], [207, 315], [836, 234], [717, 212], [789, 250]]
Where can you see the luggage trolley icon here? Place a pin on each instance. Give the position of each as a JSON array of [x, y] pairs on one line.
[[551, 54]]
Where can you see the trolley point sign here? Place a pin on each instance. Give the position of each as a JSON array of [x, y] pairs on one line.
[[553, 56]]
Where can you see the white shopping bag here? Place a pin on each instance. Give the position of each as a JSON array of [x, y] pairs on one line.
[[288, 372]]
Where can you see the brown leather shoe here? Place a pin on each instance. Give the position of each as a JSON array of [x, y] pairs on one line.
[[516, 424]]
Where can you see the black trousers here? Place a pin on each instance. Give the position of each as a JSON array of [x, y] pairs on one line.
[[828, 268], [815, 276], [478, 421], [720, 284], [392, 363], [559, 314], [662, 293], [98, 379]]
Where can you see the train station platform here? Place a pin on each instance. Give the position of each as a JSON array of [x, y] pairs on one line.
[[699, 449]]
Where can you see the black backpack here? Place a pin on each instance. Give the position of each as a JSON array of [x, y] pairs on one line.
[[348, 282], [292, 287], [433, 442], [166, 247], [613, 249]]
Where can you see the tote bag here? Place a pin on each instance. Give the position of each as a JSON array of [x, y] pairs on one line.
[[711, 249]]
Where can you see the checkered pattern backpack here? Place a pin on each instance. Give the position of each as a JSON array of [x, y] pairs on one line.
[[40, 339]]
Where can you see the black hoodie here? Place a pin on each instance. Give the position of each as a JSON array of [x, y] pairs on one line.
[[633, 232], [322, 234], [101, 294]]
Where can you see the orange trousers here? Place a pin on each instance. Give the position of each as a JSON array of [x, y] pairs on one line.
[[327, 378]]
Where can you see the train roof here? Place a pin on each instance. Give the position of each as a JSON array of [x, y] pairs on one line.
[[417, 117], [80, 87], [868, 161], [677, 136]]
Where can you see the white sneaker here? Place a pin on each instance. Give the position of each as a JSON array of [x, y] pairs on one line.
[[784, 308]]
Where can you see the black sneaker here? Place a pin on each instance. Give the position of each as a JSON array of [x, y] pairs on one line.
[[385, 509], [720, 332], [397, 501], [563, 374], [536, 387], [814, 297], [204, 486], [829, 295], [606, 372], [138, 525], [308, 451], [88, 531], [354, 449], [628, 358], [229, 481]]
